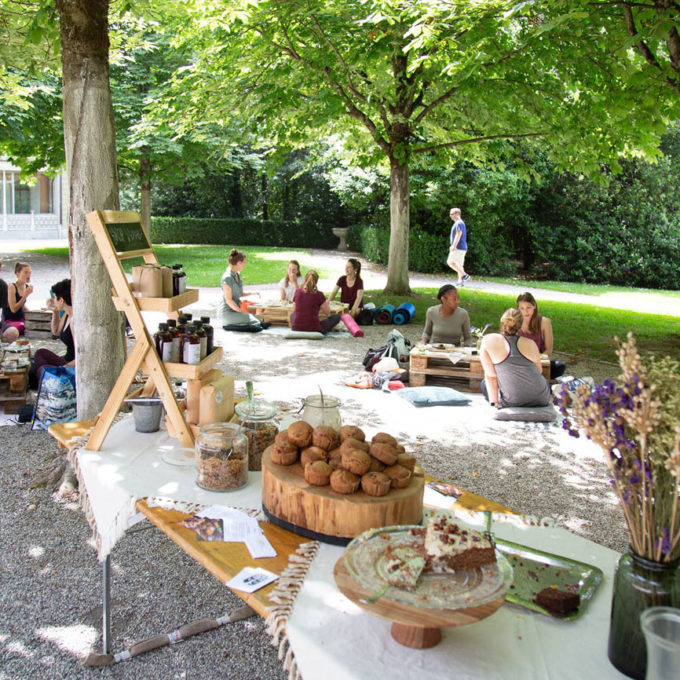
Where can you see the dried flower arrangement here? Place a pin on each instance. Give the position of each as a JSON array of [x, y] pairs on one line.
[[637, 423]]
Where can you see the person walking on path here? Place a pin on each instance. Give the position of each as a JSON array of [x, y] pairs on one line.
[[458, 247]]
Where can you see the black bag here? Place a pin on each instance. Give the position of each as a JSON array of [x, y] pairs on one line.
[[365, 317], [373, 356]]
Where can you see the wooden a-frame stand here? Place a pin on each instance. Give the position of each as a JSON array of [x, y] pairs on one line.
[[119, 236]]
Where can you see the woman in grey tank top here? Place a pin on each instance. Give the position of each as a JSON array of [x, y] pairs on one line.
[[512, 367]]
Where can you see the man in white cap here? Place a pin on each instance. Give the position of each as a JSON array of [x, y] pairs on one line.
[[458, 247]]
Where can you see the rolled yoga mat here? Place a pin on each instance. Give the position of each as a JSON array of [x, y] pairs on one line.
[[352, 325], [403, 313], [383, 314]]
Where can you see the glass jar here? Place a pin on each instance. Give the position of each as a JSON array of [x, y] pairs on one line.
[[320, 410], [221, 457], [258, 419], [639, 583]]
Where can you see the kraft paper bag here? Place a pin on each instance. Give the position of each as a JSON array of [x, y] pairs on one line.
[[166, 273], [217, 401], [147, 280], [194, 394]]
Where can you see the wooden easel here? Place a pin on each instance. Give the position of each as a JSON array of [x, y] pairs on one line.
[[120, 236]]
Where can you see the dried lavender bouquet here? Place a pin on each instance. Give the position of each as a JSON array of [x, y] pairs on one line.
[[637, 422]]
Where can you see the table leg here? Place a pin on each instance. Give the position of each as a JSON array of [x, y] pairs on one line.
[[106, 605]]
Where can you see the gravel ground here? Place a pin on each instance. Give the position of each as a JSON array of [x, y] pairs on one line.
[[50, 579]]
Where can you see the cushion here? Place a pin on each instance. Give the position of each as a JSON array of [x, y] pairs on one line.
[[433, 395], [243, 328], [530, 414], [309, 335]]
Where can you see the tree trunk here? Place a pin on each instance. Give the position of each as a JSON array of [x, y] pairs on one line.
[[265, 197], [89, 141], [397, 265], [145, 193]]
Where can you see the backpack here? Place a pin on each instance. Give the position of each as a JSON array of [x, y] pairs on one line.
[[402, 346], [373, 356]]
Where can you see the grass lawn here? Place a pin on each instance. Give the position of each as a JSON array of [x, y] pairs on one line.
[[204, 265], [581, 330]]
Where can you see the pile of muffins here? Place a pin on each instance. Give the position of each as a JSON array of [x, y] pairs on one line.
[[344, 459]]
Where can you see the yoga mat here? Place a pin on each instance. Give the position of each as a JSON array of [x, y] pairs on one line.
[[403, 313], [383, 314], [352, 325]]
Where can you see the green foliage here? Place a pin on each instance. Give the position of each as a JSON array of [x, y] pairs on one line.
[[373, 242], [244, 232]]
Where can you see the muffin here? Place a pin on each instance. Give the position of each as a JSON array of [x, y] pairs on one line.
[[325, 438], [312, 453], [347, 431], [407, 461], [284, 454], [351, 443], [384, 438], [356, 461], [384, 453], [344, 481], [375, 483], [282, 437], [400, 448], [335, 458], [300, 434], [376, 465], [318, 473], [399, 476]]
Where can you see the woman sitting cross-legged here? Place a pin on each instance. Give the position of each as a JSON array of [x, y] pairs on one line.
[[307, 302], [351, 287], [512, 367], [539, 329], [62, 326], [17, 293], [229, 307], [447, 322], [291, 282]]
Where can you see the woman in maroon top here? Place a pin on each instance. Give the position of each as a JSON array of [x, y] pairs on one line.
[[539, 329], [307, 301], [351, 287]]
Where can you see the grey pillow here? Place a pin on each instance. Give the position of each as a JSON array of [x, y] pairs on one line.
[[531, 414], [432, 395], [309, 335]]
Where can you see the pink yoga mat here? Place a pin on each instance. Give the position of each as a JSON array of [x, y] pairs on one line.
[[352, 325]]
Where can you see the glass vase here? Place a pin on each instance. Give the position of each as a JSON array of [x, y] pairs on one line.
[[639, 583]]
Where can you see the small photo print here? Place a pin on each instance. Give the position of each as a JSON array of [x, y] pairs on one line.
[[445, 489], [206, 529]]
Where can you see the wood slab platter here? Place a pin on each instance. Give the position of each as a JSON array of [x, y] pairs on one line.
[[416, 627], [320, 513]]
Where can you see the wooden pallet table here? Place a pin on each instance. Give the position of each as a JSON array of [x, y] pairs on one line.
[[38, 323], [279, 313], [429, 365], [13, 389]]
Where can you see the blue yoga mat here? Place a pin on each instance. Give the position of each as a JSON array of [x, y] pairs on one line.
[[403, 313], [383, 314]]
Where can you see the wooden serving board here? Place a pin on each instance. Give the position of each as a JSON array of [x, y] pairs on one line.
[[416, 627], [319, 512]]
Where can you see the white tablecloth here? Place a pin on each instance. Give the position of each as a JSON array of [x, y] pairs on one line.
[[333, 638]]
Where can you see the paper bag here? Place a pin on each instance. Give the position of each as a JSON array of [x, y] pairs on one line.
[[194, 394], [217, 401], [147, 280], [166, 274]]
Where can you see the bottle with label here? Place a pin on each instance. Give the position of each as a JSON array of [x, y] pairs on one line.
[[191, 346], [179, 280], [163, 341], [181, 330], [210, 333], [176, 341], [202, 337]]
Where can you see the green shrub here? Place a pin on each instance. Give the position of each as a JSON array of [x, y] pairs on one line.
[[244, 232], [427, 252]]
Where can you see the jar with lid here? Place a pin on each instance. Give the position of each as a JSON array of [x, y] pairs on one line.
[[191, 346], [322, 410], [221, 457], [210, 333], [258, 420], [202, 338], [179, 280]]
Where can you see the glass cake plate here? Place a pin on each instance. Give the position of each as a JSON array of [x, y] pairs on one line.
[[366, 562]]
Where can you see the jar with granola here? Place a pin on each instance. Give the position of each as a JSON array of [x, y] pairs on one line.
[[259, 424], [222, 457]]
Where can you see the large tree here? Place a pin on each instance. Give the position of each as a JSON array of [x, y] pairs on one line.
[[400, 79]]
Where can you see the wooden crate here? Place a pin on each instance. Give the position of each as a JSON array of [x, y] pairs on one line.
[[38, 323], [278, 314], [13, 390]]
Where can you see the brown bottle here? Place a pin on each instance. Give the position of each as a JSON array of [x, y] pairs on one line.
[[202, 338], [176, 341], [191, 346], [163, 342], [210, 333], [179, 280]]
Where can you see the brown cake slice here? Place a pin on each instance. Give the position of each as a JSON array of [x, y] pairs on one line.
[[449, 547], [403, 564], [558, 601]]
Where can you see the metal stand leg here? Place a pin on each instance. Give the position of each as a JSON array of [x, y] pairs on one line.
[[106, 605]]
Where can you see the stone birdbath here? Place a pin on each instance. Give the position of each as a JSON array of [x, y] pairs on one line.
[[341, 233]]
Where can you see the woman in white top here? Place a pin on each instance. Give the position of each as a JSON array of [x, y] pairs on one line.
[[291, 281]]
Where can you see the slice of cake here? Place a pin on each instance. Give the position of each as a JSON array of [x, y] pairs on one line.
[[404, 565], [449, 547], [558, 601]]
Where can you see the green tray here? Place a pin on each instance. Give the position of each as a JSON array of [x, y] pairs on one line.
[[534, 570]]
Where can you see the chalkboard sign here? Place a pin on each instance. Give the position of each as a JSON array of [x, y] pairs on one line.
[[127, 236]]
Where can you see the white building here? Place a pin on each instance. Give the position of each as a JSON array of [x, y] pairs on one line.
[[35, 210]]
